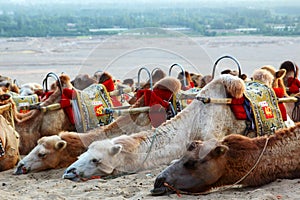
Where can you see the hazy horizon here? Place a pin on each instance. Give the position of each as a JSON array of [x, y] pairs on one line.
[[205, 3]]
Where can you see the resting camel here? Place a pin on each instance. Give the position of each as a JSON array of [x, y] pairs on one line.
[[52, 157], [236, 160], [9, 144], [36, 124], [127, 153]]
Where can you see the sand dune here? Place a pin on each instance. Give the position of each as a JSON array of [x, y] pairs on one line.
[[29, 59]]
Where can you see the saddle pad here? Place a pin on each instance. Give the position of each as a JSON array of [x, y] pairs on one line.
[[88, 105], [265, 108], [23, 102]]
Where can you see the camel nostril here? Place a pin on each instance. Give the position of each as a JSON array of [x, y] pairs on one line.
[[72, 170], [20, 169]]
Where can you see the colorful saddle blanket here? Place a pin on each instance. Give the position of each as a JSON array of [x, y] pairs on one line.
[[264, 106], [23, 102], [88, 107]]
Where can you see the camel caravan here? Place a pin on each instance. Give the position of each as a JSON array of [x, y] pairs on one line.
[[95, 126]]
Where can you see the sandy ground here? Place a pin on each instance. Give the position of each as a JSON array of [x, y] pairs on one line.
[[30, 59]]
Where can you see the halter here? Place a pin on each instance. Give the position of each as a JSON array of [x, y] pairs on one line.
[[137, 170]]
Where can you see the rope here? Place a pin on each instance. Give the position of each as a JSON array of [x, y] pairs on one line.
[[137, 170], [235, 185]]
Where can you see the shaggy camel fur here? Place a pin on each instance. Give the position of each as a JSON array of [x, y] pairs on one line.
[[10, 143], [78, 142], [208, 121], [210, 164]]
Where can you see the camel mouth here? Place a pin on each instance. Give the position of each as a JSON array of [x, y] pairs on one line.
[[161, 187], [71, 175], [160, 191], [21, 169]]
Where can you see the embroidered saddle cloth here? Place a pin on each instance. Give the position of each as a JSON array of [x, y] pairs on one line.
[[23, 102], [264, 106], [88, 107]]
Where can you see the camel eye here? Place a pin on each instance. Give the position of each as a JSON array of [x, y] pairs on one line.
[[95, 161], [42, 155], [190, 164]]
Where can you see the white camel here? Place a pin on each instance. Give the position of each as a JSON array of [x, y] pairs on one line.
[[148, 149]]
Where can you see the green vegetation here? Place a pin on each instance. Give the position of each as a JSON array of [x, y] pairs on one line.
[[41, 20]]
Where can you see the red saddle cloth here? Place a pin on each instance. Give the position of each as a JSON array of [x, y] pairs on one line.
[[65, 103], [293, 85], [157, 96], [239, 110], [158, 100]]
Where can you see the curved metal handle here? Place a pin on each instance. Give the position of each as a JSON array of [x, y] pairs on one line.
[[152, 72], [149, 74], [45, 81], [230, 57], [182, 71]]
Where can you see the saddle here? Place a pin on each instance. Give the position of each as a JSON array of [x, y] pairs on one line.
[[23, 103], [88, 107], [260, 106]]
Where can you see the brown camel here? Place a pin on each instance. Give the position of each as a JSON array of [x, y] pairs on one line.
[[236, 160], [35, 124], [9, 144], [77, 143], [82, 81]]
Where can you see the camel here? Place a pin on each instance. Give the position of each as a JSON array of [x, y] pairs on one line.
[[171, 136], [78, 142], [82, 81], [33, 125], [30, 89], [9, 144], [8, 85], [196, 78], [234, 161]]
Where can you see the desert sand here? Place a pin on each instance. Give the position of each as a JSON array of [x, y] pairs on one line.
[[30, 59]]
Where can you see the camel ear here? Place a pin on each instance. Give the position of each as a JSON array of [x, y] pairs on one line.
[[219, 150], [280, 73], [40, 141], [60, 145], [116, 149]]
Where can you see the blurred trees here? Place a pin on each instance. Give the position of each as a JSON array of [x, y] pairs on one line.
[[66, 20]]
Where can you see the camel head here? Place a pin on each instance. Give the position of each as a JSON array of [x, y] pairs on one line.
[[200, 167], [292, 70], [46, 155], [196, 78], [104, 157], [205, 80], [100, 159], [82, 81], [4, 97]]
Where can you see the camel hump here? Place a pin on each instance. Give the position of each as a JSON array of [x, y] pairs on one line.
[[170, 83]]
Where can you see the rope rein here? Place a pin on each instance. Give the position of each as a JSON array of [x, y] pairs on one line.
[[137, 170], [226, 187]]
